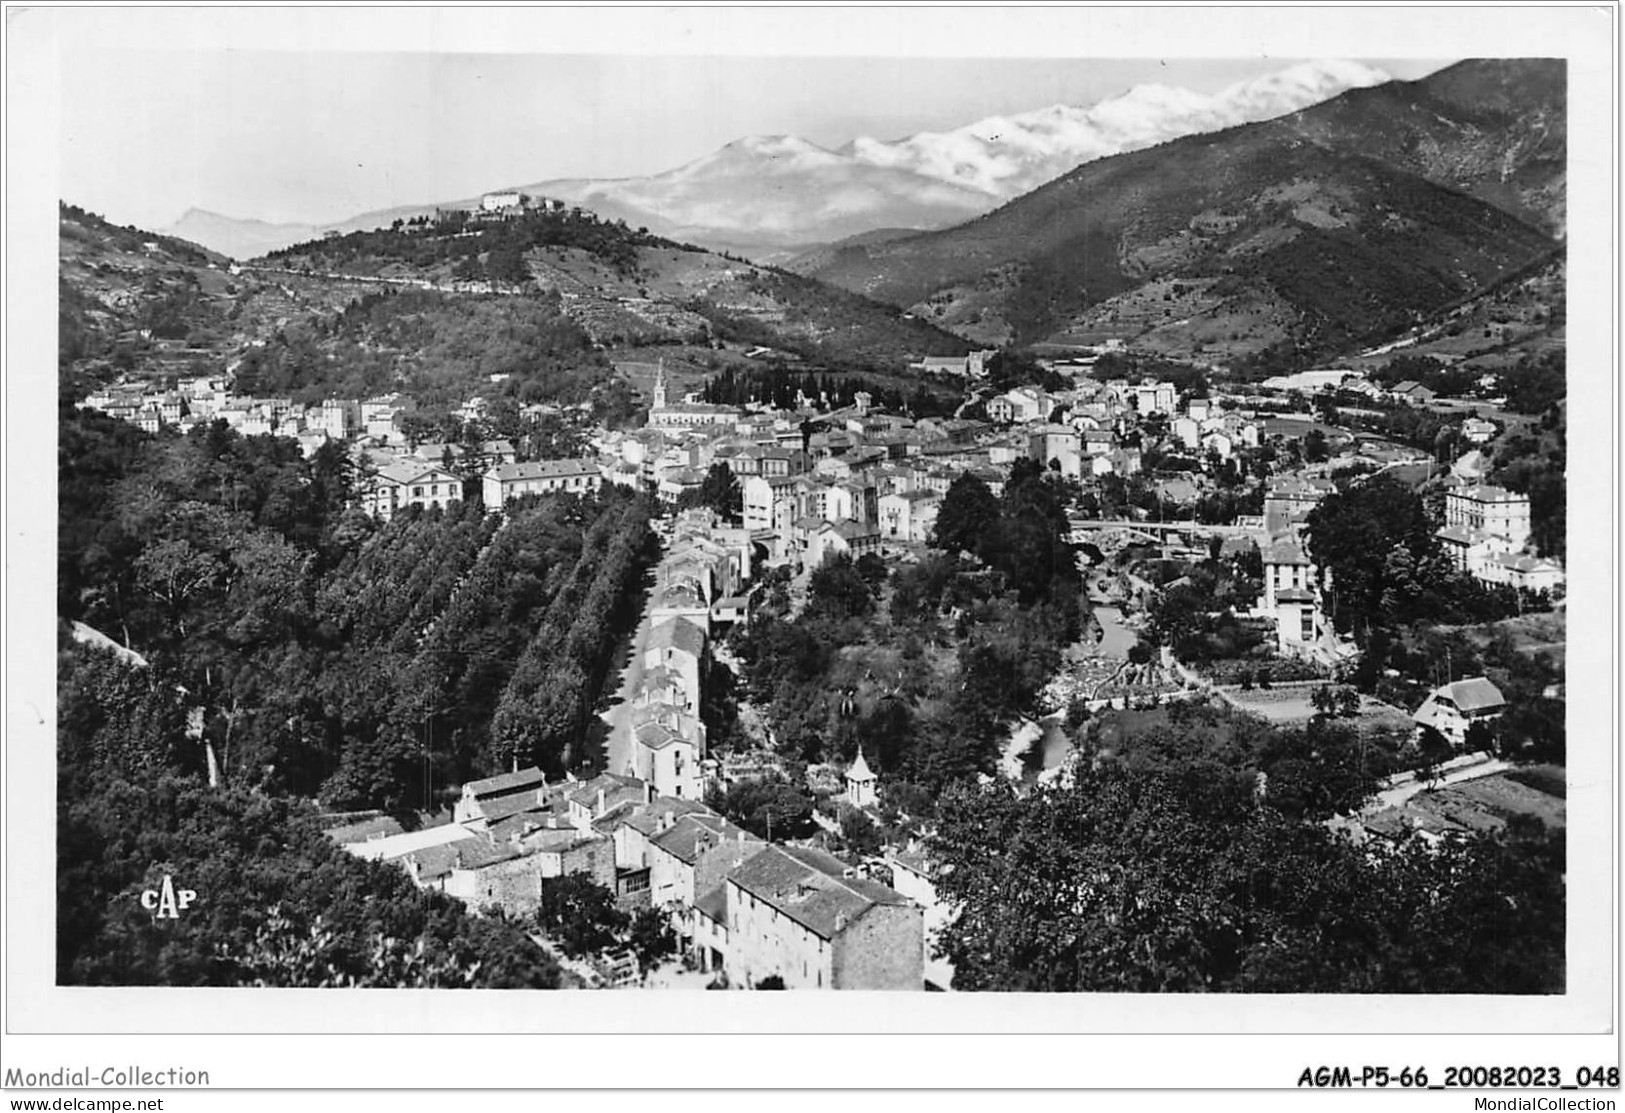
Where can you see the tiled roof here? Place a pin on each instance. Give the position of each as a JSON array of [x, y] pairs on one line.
[[496, 808], [656, 736], [522, 823], [714, 905], [647, 817], [807, 886], [1285, 549], [1523, 562], [556, 840], [409, 472], [542, 469], [504, 783], [687, 838], [469, 853], [614, 785], [1476, 694], [1460, 535], [914, 861], [1487, 493], [678, 633]]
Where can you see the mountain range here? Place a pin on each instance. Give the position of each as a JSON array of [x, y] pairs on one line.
[[770, 196], [1297, 236]]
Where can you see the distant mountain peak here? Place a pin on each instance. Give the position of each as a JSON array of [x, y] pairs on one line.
[[777, 145], [779, 189]]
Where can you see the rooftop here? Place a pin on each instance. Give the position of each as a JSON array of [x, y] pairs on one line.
[[504, 783], [1284, 549], [1474, 694], [692, 834], [808, 887], [679, 634], [613, 785], [1484, 492], [542, 469]]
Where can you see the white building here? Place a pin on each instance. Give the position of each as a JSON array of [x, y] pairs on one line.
[[860, 784], [1490, 509], [1454, 708], [506, 482], [408, 483]]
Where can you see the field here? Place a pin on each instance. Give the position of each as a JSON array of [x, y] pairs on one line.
[[1485, 805], [1291, 705]]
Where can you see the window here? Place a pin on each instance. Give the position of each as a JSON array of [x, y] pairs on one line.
[[417, 492]]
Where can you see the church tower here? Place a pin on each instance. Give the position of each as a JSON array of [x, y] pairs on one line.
[[660, 386], [860, 784]]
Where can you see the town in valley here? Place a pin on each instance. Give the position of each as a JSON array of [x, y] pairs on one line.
[[1153, 580]]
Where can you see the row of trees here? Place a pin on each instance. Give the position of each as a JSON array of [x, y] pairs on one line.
[[778, 386], [509, 668], [545, 710], [329, 654], [496, 247]]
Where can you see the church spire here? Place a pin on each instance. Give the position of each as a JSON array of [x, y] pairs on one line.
[[660, 385]]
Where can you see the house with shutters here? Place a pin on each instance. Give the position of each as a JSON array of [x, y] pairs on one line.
[[816, 923], [395, 486], [1413, 393], [667, 749], [1489, 509], [507, 835], [678, 645], [909, 515], [1453, 709], [503, 483]]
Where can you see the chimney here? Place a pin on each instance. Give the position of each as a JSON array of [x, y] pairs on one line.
[[840, 921], [600, 803]]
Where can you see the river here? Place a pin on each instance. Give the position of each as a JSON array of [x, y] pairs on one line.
[[1038, 746], [1118, 639]]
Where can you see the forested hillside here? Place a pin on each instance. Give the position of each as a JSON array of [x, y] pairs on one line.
[[624, 287], [440, 348], [329, 654], [285, 650]]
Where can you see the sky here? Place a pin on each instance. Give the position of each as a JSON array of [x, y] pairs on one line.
[[318, 130]]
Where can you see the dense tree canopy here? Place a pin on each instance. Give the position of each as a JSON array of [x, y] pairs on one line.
[[719, 491], [1173, 882], [1374, 546], [278, 902]]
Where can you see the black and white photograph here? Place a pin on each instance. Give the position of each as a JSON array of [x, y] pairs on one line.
[[1059, 524]]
